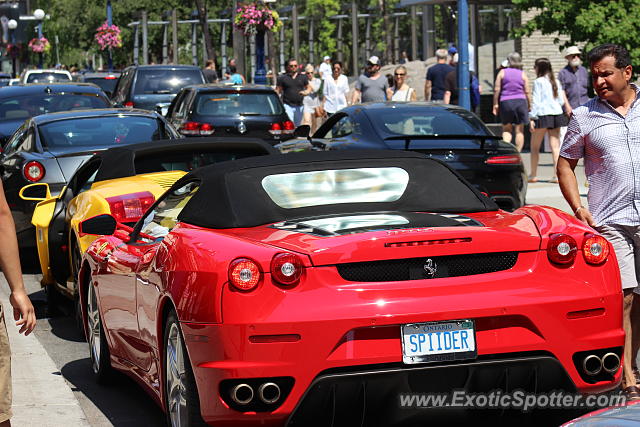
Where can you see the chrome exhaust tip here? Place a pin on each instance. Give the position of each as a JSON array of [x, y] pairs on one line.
[[242, 394], [269, 393], [592, 365], [611, 363]]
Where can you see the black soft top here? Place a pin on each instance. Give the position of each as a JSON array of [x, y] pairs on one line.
[[120, 162], [231, 193]]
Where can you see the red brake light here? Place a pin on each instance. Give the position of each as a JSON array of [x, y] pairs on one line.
[[130, 207], [110, 78], [595, 248], [288, 127], [128, 104], [276, 129], [561, 249], [33, 171], [286, 269], [195, 128], [244, 274], [512, 159]]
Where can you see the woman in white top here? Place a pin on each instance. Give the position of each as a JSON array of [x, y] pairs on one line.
[[336, 87], [546, 114], [313, 100], [401, 90]]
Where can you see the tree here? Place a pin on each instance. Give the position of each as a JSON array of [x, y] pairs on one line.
[[202, 16], [592, 22]]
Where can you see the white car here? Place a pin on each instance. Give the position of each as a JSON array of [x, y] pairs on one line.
[[44, 76]]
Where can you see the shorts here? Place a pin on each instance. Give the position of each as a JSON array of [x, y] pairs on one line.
[[5, 371], [514, 112], [551, 122], [625, 240]]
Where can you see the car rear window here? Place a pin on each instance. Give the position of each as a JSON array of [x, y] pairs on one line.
[[165, 81], [23, 107], [107, 84], [427, 121], [100, 131], [47, 77], [234, 103], [328, 187]]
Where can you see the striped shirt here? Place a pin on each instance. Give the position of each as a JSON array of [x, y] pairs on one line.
[[610, 145]]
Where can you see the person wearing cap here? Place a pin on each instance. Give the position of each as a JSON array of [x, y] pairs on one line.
[[371, 86], [575, 81], [434, 84], [325, 68]]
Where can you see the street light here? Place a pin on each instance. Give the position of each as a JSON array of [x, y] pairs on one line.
[[13, 24], [39, 15]]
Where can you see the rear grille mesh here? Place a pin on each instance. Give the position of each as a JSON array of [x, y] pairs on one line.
[[427, 267]]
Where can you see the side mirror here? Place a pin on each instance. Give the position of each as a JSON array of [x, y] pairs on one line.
[[102, 225], [38, 191], [302, 131]]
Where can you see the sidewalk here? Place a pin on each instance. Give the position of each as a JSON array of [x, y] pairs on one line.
[[41, 396]]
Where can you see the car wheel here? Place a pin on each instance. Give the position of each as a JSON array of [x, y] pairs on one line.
[[98, 347], [182, 401]]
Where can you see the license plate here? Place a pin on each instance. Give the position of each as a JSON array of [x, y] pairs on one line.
[[438, 341]]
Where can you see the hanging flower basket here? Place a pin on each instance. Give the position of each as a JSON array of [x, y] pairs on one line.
[[40, 45], [253, 17], [108, 36]]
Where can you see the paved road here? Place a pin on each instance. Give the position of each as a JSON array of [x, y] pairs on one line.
[[124, 403]]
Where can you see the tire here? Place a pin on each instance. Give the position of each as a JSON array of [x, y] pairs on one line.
[[98, 347], [182, 400]]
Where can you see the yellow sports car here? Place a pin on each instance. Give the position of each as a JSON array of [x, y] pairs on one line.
[[122, 181]]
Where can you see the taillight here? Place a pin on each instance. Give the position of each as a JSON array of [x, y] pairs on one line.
[[595, 248], [33, 171], [561, 249], [512, 159], [286, 269], [130, 207], [128, 104], [288, 127], [244, 274], [195, 128], [276, 129]]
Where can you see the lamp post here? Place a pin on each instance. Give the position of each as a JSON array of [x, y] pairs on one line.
[[109, 23], [39, 15], [13, 24]]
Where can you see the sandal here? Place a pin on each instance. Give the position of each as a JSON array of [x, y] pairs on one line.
[[533, 179], [632, 392]]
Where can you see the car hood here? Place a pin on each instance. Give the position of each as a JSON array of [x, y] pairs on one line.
[[382, 236]]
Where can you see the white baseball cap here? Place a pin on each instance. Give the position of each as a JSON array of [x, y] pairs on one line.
[[572, 50], [374, 60], [326, 57]]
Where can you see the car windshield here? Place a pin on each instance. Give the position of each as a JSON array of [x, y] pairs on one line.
[[426, 121], [107, 84], [165, 81], [100, 131], [23, 107], [47, 77], [327, 187], [232, 103]]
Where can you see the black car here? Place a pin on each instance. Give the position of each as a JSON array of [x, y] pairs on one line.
[[104, 80], [50, 147], [18, 103], [151, 86], [248, 110], [445, 132]]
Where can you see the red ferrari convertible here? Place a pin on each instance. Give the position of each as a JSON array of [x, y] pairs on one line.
[[315, 288]]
